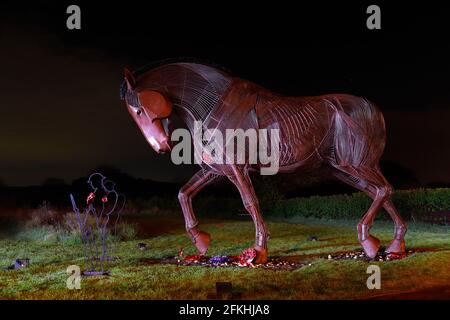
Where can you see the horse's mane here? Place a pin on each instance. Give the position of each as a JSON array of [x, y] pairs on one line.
[[158, 63]]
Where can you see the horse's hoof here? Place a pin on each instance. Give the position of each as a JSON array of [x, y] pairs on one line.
[[201, 241], [371, 246], [396, 247], [261, 255]]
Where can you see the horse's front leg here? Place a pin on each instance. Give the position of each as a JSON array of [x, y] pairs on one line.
[[201, 179], [243, 183]]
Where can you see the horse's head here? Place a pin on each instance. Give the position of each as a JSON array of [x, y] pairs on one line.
[[150, 109]]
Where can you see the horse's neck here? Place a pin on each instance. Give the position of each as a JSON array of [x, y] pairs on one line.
[[195, 105], [194, 89], [186, 117]]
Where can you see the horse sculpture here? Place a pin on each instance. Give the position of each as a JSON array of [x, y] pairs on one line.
[[342, 132]]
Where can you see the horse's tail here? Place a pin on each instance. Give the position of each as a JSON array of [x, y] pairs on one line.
[[360, 133]]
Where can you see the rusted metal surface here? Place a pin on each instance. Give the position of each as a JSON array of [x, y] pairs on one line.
[[342, 132]]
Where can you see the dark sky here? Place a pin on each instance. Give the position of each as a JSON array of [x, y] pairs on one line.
[[60, 113]]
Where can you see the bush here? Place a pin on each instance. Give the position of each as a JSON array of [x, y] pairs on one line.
[[126, 231], [408, 202], [50, 225], [70, 223], [45, 215]]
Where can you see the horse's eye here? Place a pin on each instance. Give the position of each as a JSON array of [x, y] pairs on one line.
[[138, 112]]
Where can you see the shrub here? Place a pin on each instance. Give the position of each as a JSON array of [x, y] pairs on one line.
[[45, 215], [71, 224], [408, 203], [126, 231], [50, 225]]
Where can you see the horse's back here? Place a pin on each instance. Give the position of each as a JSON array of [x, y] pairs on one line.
[[304, 123], [332, 127]]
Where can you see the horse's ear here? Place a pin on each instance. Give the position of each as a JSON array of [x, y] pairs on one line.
[[156, 103], [129, 78]]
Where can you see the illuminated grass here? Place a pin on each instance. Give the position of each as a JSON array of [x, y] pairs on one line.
[[324, 279]]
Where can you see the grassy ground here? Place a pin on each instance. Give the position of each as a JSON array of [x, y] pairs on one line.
[[323, 279]]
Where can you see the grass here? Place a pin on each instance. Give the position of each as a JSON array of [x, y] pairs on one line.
[[323, 279]]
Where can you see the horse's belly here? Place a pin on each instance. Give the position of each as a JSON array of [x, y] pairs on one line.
[[301, 142], [298, 152]]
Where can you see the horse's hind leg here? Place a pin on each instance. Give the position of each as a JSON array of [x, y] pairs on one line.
[[398, 243], [243, 183], [201, 179], [372, 183]]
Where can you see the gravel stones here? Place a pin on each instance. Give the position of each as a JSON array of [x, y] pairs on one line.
[[360, 255]]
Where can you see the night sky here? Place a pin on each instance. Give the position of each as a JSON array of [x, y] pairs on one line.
[[61, 116]]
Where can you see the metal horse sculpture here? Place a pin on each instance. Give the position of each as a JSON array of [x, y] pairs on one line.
[[342, 132]]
